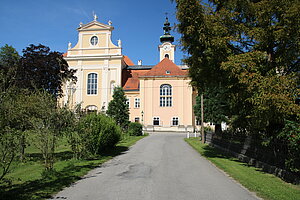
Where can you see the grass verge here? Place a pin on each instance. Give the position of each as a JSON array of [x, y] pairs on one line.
[[265, 185], [29, 182]]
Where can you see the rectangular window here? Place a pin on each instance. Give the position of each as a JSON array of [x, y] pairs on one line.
[[137, 103], [162, 101], [128, 102], [92, 83], [165, 99], [137, 119], [156, 121], [175, 121]]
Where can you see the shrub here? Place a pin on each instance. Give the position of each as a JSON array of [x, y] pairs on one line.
[[135, 129], [97, 133]]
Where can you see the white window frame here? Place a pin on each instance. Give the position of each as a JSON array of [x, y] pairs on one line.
[[92, 87], [128, 101], [156, 119], [97, 42], [173, 120], [165, 98], [137, 119], [137, 102]]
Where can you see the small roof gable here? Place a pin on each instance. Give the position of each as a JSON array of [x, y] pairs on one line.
[[166, 68], [95, 25]]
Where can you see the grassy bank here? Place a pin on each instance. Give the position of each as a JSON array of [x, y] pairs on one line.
[[29, 182], [264, 185]]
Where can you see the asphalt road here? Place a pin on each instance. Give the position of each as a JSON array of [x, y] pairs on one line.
[[159, 167]]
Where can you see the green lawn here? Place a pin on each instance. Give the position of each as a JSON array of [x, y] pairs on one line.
[[264, 185], [30, 183]]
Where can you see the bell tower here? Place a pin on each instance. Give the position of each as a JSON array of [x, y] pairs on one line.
[[167, 49]]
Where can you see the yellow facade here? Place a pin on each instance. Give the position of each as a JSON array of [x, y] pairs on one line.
[[100, 67]]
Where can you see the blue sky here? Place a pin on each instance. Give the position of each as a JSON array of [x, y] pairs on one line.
[[53, 23]]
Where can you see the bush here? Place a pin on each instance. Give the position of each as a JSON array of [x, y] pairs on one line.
[[135, 129], [97, 133]]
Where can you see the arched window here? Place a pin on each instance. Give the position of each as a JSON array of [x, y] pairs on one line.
[[92, 83], [167, 56], [165, 95], [91, 109]]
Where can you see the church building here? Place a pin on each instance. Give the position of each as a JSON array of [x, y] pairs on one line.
[[159, 96]]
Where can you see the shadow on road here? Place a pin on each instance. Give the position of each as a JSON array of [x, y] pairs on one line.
[[53, 181]]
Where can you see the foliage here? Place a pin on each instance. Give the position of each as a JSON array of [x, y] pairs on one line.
[[8, 149], [29, 181], [251, 49], [290, 134], [41, 68], [9, 60], [96, 133], [118, 109], [47, 124], [215, 105], [11, 124], [135, 129]]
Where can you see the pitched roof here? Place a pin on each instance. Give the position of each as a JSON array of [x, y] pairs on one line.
[[127, 61], [166, 68], [130, 79]]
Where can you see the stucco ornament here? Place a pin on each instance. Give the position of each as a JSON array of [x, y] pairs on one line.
[[95, 17], [119, 43]]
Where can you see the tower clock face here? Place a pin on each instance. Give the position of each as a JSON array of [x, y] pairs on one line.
[[167, 47]]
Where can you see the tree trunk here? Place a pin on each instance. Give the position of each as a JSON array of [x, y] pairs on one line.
[[22, 148]]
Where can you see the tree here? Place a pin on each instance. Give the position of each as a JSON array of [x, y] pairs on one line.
[[249, 47], [9, 61], [216, 107], [41, 68], [47, 124], [9, 130], [118, 109]]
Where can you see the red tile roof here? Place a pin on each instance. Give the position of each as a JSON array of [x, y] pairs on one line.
[[166, 68], [130, 79], [65, 54], [127, 61]]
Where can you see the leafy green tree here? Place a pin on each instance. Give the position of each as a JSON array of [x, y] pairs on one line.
[[9, 61], [47, 124], [9, 131], [118, 109], [216, 107], [41, 68], [230, 42], [251, 48]]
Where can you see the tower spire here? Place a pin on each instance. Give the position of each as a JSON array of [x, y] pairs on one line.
[[166, 37]]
